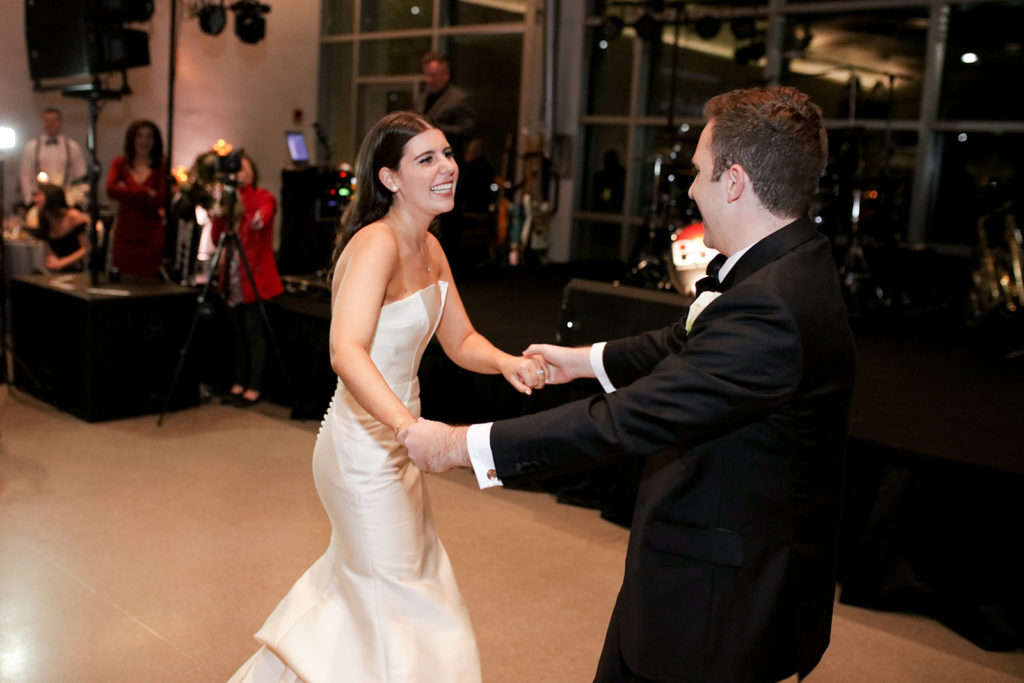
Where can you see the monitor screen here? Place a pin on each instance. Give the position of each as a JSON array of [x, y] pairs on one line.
[[297, 150]]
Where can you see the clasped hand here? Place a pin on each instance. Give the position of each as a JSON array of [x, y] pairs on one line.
[[437, 447], [526, 372]]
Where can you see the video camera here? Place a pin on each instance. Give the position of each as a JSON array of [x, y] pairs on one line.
[[228, 164]]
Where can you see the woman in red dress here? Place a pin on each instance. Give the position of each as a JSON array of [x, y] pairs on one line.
[[137, 180]]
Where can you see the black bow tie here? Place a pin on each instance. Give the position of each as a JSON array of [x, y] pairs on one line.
[[710, 282], [50, 141]]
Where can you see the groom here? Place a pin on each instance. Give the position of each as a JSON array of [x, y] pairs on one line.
[[742, 420]]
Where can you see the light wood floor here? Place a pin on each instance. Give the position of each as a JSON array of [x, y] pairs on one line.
[[132, 552]]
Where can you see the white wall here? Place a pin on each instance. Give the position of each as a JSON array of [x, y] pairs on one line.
[[225, 88]]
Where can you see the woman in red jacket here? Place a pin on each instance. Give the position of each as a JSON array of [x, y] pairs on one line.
[[138, 181], [255, 226]]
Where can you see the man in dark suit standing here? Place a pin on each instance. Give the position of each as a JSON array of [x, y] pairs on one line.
[[741, 412], [450, 109]]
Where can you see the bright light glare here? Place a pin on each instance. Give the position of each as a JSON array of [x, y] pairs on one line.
[[603, 44], [962, 137], [11, 665], [7, 137], [969, 58]]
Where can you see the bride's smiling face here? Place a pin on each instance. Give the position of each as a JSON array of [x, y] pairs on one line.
[[426, 175]]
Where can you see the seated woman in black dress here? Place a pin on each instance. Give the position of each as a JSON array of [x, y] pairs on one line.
[[63, 229]]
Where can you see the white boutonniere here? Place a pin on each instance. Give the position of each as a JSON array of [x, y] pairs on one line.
[[698, 305]]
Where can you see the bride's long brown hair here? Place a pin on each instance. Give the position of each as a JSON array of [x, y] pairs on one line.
[[382, 147]]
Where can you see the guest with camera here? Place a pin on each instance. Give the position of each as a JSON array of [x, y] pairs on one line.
[[138, 181], [251, 215], [62, 229]]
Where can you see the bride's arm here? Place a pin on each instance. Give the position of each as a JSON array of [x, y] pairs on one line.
[[359, 287], [471, 350]]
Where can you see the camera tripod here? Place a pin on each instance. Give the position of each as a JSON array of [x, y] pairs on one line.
[[203, 307]]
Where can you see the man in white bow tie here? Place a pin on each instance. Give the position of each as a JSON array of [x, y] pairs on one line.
[[54, 154]]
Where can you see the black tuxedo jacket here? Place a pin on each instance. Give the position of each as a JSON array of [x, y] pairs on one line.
[[731, 562]]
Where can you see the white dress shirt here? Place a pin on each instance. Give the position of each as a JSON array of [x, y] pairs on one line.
[[478, 436], [63, 161]]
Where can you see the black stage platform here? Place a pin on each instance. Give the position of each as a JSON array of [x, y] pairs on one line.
[[102, 352]]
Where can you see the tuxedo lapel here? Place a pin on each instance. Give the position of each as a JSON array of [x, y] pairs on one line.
[[769, 249]]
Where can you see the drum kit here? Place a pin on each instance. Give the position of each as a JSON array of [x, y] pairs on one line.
[[670, 253]]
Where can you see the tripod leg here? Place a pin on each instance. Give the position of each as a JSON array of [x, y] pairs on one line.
[[200, 301], [266, 319]]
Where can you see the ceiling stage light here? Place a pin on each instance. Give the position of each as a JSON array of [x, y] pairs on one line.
[[708, 27], [648, 28], [250, 26], [611, 27], [213, 18]]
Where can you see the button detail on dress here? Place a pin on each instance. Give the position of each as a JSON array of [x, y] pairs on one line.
[[492, 475]]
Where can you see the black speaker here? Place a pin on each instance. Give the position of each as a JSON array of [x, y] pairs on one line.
[[56, 38], [73, 38], [312, 201], [599, 311]]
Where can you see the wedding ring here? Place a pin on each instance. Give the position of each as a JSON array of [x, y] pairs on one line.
[[540, 372]]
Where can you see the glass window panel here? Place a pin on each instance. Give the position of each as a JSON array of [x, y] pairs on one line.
[[597, 241], [468, 12], [605, 170], [335, 101], [337, 16], [860, 65], [377, 99], [703, 68], [475, 61], [395, 14], [610, 73], [977, 87], [979, 174], [665, 157], [396, 56], [877, 164]]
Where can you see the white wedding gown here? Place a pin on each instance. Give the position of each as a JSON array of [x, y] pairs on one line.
[[381, 604]]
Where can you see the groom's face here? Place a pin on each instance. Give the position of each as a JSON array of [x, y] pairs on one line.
[[704, 191]]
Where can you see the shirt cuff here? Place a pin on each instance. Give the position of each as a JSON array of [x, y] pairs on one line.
[[478, 442], [597, 365]]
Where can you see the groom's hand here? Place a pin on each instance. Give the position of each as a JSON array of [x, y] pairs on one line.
[[434, 446], [563, 363]]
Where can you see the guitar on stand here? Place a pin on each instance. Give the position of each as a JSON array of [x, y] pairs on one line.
[[999, 276], [669, 253], [528, 218]]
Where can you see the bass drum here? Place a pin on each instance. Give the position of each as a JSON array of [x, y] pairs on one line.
[[689, 258]]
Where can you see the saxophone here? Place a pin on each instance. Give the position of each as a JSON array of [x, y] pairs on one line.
[[999, 277], [1014, 242]]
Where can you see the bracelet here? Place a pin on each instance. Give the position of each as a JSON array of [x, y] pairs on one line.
[[398, 427]]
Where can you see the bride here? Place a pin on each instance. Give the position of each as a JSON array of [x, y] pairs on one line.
[[382, 604]]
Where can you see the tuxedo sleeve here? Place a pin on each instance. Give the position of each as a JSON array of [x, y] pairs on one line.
[[741, 360]]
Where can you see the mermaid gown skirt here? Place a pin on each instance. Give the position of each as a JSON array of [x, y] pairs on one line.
[[381, 604]]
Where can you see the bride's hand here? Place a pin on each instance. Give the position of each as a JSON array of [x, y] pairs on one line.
[[526, 373], [562, 363]]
